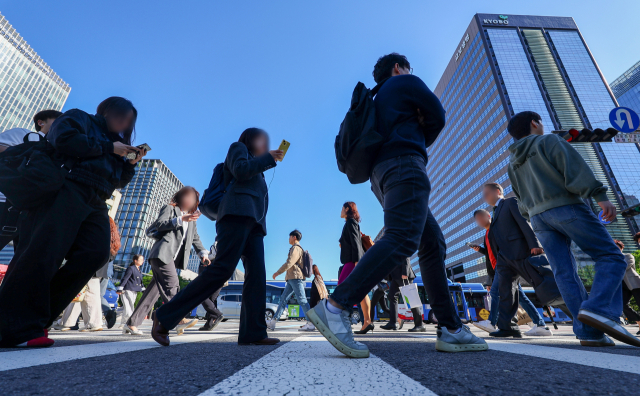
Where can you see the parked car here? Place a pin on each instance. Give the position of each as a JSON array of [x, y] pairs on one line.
[[230, 304]]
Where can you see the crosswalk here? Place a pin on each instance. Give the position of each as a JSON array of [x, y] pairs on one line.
[[305, 363]]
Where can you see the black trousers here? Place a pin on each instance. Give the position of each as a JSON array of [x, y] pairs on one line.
[[629, 312], [509, 296], [164, 284], [378, 297], [210, 304], [75, 226], [394, 293], [8, 225], [238, 237]]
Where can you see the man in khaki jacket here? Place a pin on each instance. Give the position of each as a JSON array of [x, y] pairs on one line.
[[295, 282]]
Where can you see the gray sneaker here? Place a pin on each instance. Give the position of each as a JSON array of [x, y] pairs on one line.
[[462, 341], [336, 328], [607, 326], [271, 325]]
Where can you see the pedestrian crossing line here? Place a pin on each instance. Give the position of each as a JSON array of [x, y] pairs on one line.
[[313, 366], [37, 357]]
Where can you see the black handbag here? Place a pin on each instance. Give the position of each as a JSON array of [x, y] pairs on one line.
[[29, 176], [537, 271]]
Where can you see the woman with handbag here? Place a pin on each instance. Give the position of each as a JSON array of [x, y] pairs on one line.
[[175, 232], [74, 224], [351, 251], [318, 289], [241, 226]]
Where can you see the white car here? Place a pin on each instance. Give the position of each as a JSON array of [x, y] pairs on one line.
[[230, 304]]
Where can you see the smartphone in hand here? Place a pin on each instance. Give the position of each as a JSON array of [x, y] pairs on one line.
[[284, 146], [471, 245]]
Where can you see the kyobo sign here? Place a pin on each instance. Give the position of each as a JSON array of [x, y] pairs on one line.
[[502, 20], [462, 46]]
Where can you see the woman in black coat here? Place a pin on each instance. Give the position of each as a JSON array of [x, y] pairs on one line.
[[73, 225], [351, 251], [241, 227]]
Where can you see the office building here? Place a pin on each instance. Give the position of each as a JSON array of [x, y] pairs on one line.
[[27, 84], [151, 188], [505, 64], [626, 88]]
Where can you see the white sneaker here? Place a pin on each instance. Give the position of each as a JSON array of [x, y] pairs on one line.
[[271, 325], [308, 327], [485, 325], [537, 331]]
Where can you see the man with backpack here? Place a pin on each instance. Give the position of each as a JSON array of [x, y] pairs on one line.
[[14, 137], [408, 118], [295, 277]]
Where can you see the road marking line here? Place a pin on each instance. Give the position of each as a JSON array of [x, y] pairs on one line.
[[37, 357], [314, 366]]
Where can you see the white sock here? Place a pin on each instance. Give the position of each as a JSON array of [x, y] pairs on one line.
[[332, 309]]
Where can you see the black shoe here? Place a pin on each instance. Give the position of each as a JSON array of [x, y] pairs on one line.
[[638, 333], [506, 333], [420, 329], [211, 325], [389, 326], [111, 317], [365, 330]]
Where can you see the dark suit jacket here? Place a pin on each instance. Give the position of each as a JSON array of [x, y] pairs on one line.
[[403, 269], [491, 273], [247, 193], [511, 233], [167, 246], [351, 250]]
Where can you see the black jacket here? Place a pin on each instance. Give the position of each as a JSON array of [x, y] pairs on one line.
[[77, 134], [491, 273], [132, 279], [402, 269], [247, 193], [511, 233], [351, 250], [397, 104]]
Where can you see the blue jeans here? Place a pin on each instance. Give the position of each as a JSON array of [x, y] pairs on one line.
[[525, 303], [556, 228], [402, 187], [293, 286]]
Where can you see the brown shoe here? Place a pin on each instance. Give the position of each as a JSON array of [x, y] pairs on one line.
[[158, 332], [266, 341]]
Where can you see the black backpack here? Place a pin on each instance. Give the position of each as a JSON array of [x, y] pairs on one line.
[[358, 142], [307, 263], [213, 194], [29, 176], [537, 272]]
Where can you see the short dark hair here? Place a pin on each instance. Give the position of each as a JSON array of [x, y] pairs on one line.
[[496, 186], [385, 65], [520, 124], [45, 115], [177, 197], [249, 135], [297, 234], [619, 244], [135, 258], [636, 237], [120, 107], [481, 211]]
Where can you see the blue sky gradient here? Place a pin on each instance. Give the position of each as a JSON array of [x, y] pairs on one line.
[[200, 72]]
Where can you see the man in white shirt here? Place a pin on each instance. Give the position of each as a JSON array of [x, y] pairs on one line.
[[14, 137]]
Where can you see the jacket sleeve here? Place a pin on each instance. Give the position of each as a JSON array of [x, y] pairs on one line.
[[428, 104], [125, 278], [483, 250], [68, 135], [164, 221], [355, 239], [197, 243], [292, 259], [244, 168], [524, 225], [578, 177]]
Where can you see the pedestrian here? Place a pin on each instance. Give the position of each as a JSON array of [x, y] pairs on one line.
[[210, 304], [318, 289], [89, 307], [12, 137], [559, 216], [73, 225], [175, 231], [295, 282], [494, 196], [130, 285], [630, 284], [351, 251], [241, 227], [380, 297], [106, 272], [402, 275], [410, 117]]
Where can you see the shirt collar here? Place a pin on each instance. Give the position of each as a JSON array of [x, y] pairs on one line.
[[498, 203]]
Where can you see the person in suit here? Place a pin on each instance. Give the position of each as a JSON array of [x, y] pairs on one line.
[[130, 286], [511, 239], [210, 304], [176, 231], [241, 227], [402, 275]]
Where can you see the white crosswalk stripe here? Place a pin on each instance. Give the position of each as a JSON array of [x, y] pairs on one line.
[[314, 367]]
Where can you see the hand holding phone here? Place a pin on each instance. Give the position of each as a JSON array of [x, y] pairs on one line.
[[472, 245], [284, 146]]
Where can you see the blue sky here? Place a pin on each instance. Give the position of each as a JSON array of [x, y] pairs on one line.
[[200, 72]]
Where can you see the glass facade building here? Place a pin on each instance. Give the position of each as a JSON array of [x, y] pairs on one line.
[[626, 88], [151, 188], [27, 84], [502, 66]]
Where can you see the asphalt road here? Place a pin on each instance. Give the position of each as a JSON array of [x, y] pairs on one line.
[[402, 363]]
